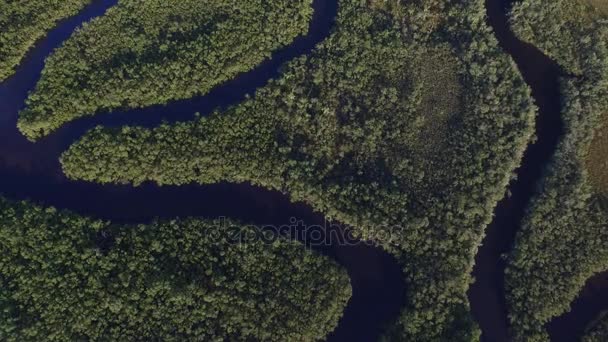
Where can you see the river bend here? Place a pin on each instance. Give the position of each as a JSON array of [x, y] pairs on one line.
[[32, 171]]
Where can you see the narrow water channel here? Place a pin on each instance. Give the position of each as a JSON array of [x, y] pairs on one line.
[[487, 295], [32, 171], [541, 74]]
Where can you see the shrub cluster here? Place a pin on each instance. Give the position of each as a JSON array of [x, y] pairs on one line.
[[64, 277], [143, 53], [406, 123], [22, 23]]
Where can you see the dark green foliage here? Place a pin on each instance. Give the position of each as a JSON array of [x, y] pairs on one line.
[[150, 52], [67, 278], [596, 161], [556, 27], [356, 131], [22, 23], [564, 236], [598, 330]]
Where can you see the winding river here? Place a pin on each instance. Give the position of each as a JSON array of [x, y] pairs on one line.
[[541, 74], [487, 295], [32, 171]]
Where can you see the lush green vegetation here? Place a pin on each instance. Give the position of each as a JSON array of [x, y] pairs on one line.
[[406, 123], [598, 330], [22, 23], [150, 52], [597, 159], [556, 27], [563, 238], [64, 277]]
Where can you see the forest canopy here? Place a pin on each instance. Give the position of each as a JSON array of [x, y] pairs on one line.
[[563, 239], [406, 123], [64, 277], [142, 53], [596, 161], [557, 27], [22, 23]]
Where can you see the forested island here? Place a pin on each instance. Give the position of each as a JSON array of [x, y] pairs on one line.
[[142, 53], [66, 277], [407, 123]]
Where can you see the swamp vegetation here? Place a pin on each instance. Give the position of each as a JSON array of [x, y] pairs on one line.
[[406, 124], [563, 239], [143, 53], [66, 277]]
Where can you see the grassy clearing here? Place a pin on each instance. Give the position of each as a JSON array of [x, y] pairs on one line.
[[438, 94], [142, 53], [406, 123], [440, 100], [600, 5], [23, 23]]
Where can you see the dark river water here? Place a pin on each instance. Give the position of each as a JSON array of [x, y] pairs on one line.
[[541, 74], [32, 171], [487, 295]]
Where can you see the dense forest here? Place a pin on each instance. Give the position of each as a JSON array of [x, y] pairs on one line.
[[143, 53], [596, 161], [597, 330], [406, 123], [22, 23], [564, 236], [64, 277]]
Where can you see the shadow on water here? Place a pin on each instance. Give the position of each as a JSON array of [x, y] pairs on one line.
[[542, 75], [32, 171]]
